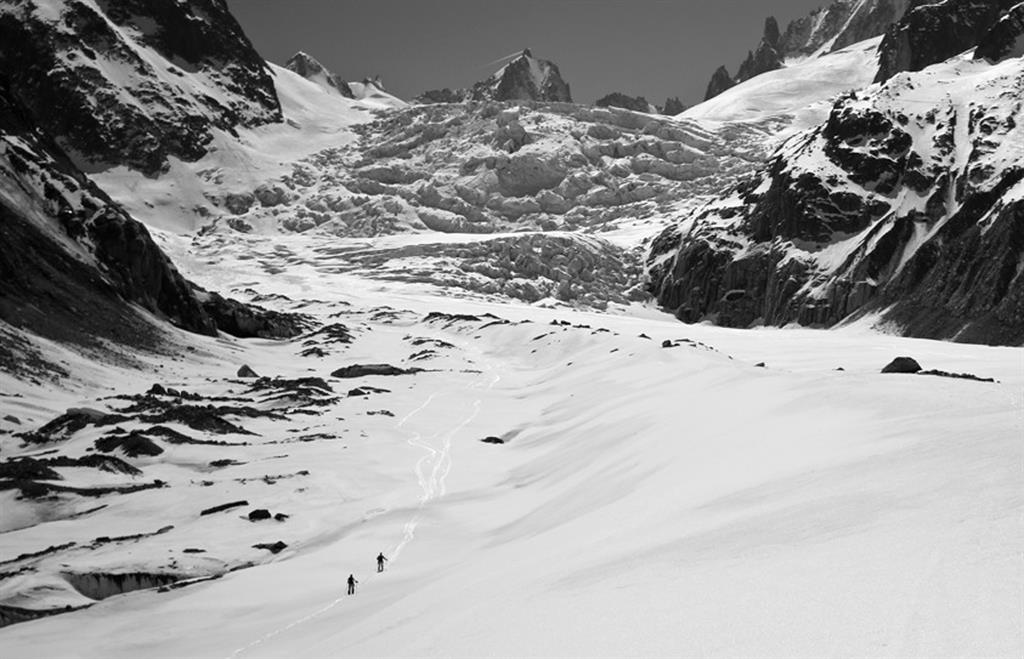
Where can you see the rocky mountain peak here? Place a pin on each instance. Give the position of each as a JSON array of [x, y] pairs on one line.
[[771, 32], [524, 78], [720, 81], [308, 67]]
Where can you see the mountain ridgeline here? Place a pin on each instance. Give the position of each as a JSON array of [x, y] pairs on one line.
[[828, 29]]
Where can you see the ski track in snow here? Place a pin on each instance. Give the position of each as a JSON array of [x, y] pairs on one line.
[[433, 488]]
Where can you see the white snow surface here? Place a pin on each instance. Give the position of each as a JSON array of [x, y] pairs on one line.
[[648, 501], [804, 88]]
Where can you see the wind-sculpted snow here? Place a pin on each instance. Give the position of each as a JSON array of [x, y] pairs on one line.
[[510, 482]]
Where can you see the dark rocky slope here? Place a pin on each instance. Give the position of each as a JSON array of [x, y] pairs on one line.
[[71, 256], [1005, 39], [75, 267], [133, 82]]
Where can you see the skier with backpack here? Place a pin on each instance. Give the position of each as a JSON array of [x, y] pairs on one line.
[[380, 561], [352, 584]]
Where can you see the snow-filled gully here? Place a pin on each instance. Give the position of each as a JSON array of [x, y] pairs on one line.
[[437, 459]]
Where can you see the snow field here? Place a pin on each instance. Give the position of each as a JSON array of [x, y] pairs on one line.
[[650, 502]]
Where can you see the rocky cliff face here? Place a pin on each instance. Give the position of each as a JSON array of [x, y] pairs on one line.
[[901, 204], [1005, 39], [935, 31], [310, 69], [133, 82]]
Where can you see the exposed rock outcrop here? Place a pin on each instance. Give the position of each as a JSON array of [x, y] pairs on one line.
[[444, 95], [619, 100], [935, 31], [250, 320]]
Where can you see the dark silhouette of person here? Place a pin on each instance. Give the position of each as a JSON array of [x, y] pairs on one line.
[[352, 584], [380, 561]]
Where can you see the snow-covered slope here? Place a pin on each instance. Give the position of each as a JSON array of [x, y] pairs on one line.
[[807, 84], [546, 479], [647, 501]]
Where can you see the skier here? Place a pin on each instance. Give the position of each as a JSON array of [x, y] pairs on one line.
[[352, 584], [380, 561]]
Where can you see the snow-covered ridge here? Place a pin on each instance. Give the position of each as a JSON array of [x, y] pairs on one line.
[[785, 469]]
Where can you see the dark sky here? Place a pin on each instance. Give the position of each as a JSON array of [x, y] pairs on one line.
[[652, 48]]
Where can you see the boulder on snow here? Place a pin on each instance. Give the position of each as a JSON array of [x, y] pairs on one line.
[[246, 372], [239, 203], [133, 445], [359, 370], [902, 365], [492, 440], [274, 548], [258, 514]]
